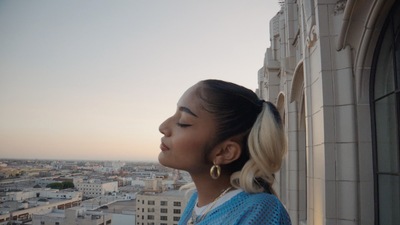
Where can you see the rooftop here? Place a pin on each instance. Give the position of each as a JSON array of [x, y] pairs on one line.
[[120, 207]]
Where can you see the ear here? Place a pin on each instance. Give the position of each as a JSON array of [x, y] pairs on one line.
[[227, 152]]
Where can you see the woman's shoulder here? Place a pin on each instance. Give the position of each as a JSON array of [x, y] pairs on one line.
[[259, 208], [263, 198], [260, 202]]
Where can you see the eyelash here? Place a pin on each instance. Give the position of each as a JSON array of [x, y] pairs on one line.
[[183, 125]]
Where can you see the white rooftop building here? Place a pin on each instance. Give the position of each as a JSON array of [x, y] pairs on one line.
[[76, 216], [95, 188], [19, 207]]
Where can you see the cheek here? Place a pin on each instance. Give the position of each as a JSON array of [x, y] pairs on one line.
[[194, 144], [194, 155], [191, 144]]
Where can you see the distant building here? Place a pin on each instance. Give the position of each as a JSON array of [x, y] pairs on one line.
[[95, 188], [333, 72], [7, 172], [163, 208], [154, 206], [111, 167], [123, 212], [45, 173], [123, 181], [69, 165], [76, 216], [19, 207]]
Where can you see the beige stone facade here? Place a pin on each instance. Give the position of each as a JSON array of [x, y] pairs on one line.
[[164, 208], [97, 188], [333, 71]]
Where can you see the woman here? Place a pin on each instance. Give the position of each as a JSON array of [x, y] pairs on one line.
[[231, 143]]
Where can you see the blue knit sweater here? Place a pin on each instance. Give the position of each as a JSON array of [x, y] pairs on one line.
[[242, 209]]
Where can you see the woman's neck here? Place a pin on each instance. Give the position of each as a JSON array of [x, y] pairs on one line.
[[209, 189]]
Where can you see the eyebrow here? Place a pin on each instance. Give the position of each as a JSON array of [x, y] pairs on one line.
[[187, 110]]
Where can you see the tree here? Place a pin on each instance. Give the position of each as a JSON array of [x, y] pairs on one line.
[[63, 185], [55, 185], [67, 184]]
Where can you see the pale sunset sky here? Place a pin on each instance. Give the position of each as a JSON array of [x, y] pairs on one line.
[[92, 80]]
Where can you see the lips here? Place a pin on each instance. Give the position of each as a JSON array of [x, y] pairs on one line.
[[163, 147]]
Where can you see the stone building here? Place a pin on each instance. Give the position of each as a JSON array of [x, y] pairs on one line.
[[163, 208], [333, 71], [95, 188], [20, 208], [75, 215], [158, 206]]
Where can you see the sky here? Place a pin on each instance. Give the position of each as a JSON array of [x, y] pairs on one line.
[[92, 80]]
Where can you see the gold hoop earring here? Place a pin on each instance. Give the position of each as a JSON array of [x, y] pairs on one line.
[[215, 171]]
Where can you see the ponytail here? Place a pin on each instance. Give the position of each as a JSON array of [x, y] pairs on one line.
[[267, 147]]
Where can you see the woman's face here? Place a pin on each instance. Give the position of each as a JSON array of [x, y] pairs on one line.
[[187, 134]]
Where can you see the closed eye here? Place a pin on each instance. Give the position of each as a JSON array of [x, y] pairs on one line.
[[183, 125]]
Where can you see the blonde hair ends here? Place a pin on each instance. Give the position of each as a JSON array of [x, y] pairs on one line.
[[267, 147]]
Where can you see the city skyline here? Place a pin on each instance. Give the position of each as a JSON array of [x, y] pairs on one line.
[[92, 80]]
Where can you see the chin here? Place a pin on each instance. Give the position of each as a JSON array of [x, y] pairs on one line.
[[163, 161], [168, 162]]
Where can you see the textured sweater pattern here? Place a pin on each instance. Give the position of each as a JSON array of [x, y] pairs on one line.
[[242, 209]]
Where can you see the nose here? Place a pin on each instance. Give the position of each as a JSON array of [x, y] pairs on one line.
[[164, 128]]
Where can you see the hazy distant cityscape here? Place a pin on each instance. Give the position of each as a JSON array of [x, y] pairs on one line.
[[62, 192]]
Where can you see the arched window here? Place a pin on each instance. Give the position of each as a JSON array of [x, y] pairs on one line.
[[385, 109]]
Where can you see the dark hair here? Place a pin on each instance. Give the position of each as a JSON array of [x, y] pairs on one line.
[[235, 109]]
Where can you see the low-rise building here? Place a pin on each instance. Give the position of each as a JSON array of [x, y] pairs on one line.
[[155, 205], [19, 207], [75, 215], [163, 208], [93, 188]]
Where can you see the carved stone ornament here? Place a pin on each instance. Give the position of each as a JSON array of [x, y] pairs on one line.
[[340, 6], [311, 37]]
